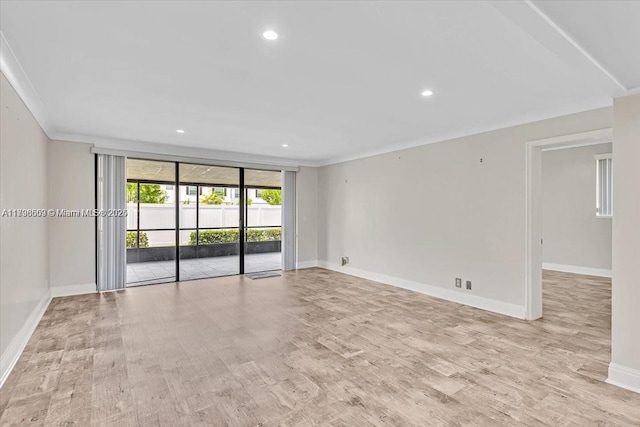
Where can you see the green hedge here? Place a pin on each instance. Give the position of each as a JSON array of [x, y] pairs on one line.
[[212, 237], [132, 240]]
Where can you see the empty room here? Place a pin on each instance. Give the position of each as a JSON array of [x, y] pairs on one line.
[[337, 213]]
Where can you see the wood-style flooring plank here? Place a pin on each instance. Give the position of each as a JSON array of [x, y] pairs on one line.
[[316, 348]]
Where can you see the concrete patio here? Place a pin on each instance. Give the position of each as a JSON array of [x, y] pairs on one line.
[[147, 273]]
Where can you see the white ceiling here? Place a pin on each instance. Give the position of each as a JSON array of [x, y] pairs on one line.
[[342, 81], [607, 30]]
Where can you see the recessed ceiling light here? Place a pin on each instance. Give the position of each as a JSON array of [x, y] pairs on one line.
[[180, 130], [270, 35], [427, 92], [285, 145]]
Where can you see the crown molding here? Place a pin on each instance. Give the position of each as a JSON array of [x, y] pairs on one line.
[[206, 153], [159, 151], [633, 91], [498, 125], [15, 74]]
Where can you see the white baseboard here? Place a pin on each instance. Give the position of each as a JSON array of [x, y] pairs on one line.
[[19, 342], [65, 291], [600, 272], [624, 377], [307, 264], [460, 297]]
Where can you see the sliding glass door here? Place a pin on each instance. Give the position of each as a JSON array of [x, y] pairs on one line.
[[263, 213], [189, 221], [210, 214], [151, 222]]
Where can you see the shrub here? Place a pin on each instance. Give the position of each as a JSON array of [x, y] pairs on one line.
[[248, 201], [132, 192], [213, 198], [273, 197], [212, 237], [149, 193], [132, 240]]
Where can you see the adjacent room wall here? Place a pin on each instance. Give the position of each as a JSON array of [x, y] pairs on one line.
[[421, 217], [71, 240], [24, 242], [624, 369], [575, 239], [307, 216]]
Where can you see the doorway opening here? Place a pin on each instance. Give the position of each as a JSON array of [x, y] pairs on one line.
[[535, 209]]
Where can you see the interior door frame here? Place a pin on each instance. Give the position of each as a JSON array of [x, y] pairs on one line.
[[533, 237]]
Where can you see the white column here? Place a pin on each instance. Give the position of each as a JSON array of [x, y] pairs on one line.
[[624, 369]]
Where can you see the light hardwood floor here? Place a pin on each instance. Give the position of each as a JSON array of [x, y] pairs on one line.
[[317, 347]]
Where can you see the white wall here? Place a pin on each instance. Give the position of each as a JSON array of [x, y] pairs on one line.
[[24, 248], [624, 369], [71, 185], [441, 213], [307, 215], [573, 235]]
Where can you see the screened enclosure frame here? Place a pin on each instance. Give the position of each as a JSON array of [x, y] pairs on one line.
[[242, 225]]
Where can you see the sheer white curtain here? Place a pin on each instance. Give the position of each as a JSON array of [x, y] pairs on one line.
[[289, 254], [111, 195]]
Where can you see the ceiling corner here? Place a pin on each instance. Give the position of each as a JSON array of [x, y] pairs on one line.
[[538, 25]]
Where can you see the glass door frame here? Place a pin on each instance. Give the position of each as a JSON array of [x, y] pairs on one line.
[[241, 218], [138, 230], [246, 214]]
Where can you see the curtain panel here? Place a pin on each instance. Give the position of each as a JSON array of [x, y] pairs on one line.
[[111, 229]]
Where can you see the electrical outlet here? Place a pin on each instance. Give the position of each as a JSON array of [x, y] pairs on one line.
[[469, 284], [345, 260], [458, 282]]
